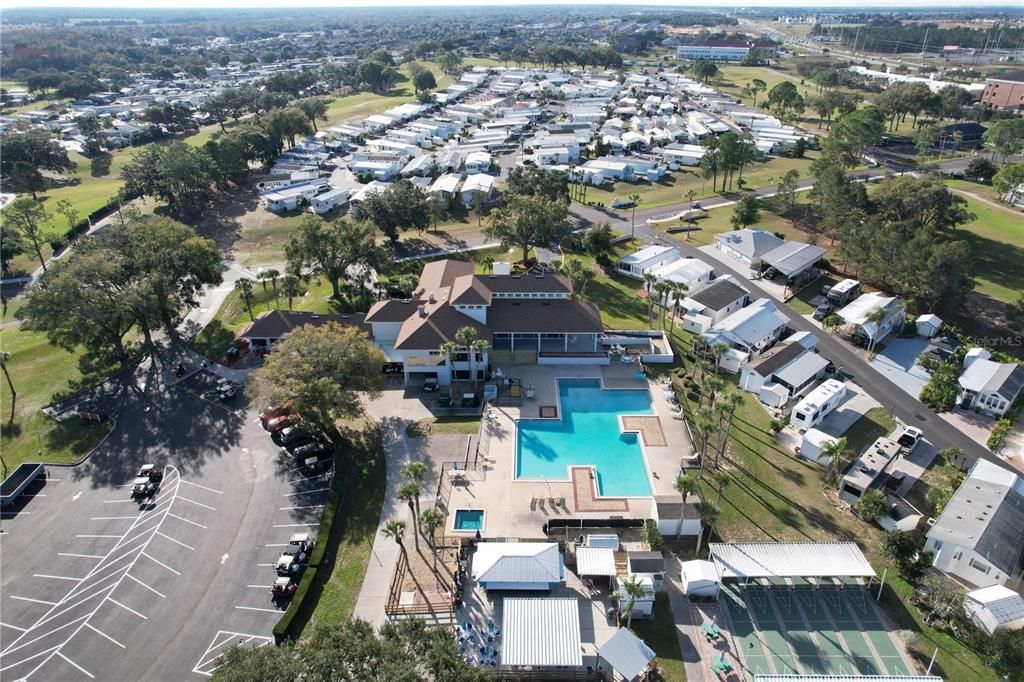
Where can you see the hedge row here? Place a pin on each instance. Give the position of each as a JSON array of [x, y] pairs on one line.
[[301, 608]]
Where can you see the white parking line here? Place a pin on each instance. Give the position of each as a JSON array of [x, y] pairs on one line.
[[259, 586], [114, 518], [253, 608], [168, 537], [91, 676], [42, 636], [157, 593], [308, 506], [51, 479], [26, 660], [185, 499], [14, 513], [33, 494], [100, 632], [161, 563], [81, 556], [113, 537], [181, 518], [264, 565], [129, 501], [306, 492], [56, 577], [13, 627], [277, 544], [296, 525], [36, 601], [114, 601], [201, 486]]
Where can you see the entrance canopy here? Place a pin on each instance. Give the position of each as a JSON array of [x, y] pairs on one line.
[[790, 560]]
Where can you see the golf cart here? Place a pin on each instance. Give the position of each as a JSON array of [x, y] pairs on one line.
[[226, 391], [283, 589], [290, 564], [150, 471], [299, 544], [144, 487]]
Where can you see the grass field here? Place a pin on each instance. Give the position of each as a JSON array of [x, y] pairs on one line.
[[362, 104], [39, 373], [659, 632], [996, 237], [352, 535], [672, 188]]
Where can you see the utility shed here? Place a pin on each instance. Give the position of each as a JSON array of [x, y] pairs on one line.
[[995, 608], [541, 632], [627, 654], [595, 561]]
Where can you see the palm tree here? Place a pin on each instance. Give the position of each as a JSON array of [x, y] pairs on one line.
[[733, 401], [718, 350], [708, 517], [395, 529], [635, 198], [691, 194], [245, 291], [466, 337], [685, 485], [649, 281], [417, 473], [662, 288], [634, 590], [679, 291], [722, 481], [876, 317], [430, 520], [5, 357], [488, 265], [273, 275], [832, 452], [478, 347], [448, 351], [291, 286], [410, 494]]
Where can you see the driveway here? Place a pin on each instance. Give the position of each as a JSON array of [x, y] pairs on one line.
[[896, 362]]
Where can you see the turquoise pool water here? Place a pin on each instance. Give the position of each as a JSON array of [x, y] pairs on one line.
[[469, 519], [587, 434]]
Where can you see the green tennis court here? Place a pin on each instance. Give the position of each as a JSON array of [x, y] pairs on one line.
[[810, 631]]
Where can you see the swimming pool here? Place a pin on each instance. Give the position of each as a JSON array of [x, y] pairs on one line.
[[469, 520], [588, 433]]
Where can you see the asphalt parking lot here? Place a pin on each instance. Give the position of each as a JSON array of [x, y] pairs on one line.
[[96, 586]]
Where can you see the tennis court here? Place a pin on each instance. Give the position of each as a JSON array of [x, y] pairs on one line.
[[803, 630]]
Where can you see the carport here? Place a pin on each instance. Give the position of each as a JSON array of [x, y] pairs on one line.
[[785, 561], [793, 260], [595, 562]]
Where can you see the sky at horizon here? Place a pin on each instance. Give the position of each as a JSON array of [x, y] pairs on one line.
[[271, 4]]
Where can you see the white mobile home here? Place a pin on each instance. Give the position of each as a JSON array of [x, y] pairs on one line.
[[478, 162], [329, 201], [995, 608], [646, 260], [289, 198], [818, 404]]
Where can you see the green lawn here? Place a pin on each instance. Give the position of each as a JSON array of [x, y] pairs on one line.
[[874, 423], [41, 372], [969, 186], [659, 632], [352, 535], [996, 237], [363, 104], [456, 425], [672, 188]]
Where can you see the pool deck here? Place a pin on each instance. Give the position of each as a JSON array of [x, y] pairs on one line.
[[519, 509]]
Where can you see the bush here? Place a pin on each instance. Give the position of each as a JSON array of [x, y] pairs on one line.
[[999, 433], [653, 536]]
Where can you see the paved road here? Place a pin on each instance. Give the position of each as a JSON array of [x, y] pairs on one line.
[[906, 408]]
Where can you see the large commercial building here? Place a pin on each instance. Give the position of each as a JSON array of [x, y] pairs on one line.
[[1005, 92], [724, 50]]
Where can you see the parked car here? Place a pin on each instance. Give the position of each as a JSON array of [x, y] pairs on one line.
[[909, 439], [282, 422], [272, 411], [623, 203], [823, 311], [293, 436], [315, 449]]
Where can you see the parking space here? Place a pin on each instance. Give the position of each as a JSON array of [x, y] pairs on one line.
[[897, 363], [96, 585]]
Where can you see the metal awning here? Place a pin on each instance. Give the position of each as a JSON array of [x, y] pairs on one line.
[[541, 632], [595, 561], [790, 560]]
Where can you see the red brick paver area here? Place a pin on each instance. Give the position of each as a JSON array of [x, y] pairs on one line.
[[584, 492]]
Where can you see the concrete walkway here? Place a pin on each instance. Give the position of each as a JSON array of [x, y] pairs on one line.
[[685, 629], [374, 593]]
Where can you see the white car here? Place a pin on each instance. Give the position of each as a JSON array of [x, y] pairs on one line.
[[909, 439]]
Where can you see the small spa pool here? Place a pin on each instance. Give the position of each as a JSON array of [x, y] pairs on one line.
[[469, 520]]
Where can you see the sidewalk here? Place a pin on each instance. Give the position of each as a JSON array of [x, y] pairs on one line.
[[685, 628], [374, 593]]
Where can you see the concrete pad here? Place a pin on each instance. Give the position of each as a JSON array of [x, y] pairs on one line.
[[853, 407], [896, 362]]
